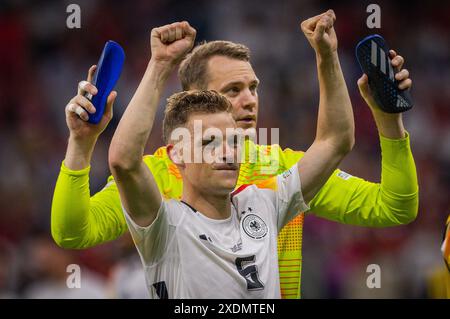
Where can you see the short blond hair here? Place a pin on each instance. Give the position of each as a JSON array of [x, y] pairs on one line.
[[181, 105], [193, 71]]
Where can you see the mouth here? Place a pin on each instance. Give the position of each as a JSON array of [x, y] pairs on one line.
[[247, 119], [225, 167]]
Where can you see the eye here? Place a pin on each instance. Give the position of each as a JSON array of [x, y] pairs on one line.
[[233, 91], [212, 141], [208, 140], [253, 87]]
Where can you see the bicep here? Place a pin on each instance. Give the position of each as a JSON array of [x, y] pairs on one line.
[[332, 200], [316, 166], [80, 221], [106, 218], [139, 194]]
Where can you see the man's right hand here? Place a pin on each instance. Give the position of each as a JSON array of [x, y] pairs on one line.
[[319, 31], [170, 43], [79, 108]]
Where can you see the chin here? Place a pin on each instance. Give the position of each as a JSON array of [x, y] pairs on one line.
[[228, 177], [227, 186], [246, 125], [228, 190], [220, 190]]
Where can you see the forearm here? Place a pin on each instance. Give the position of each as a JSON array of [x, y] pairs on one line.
[[138, 190], [394, 201], [79, 153], [399, 183], [335, 128], [70, 207], [389, 125], [335, 119], [137, 121]]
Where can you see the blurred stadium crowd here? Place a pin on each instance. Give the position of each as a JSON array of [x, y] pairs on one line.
[[42, 61]]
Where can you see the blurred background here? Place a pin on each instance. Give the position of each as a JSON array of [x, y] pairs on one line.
[[41, 62]]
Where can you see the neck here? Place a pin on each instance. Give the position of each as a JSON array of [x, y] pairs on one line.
[[211, 205]]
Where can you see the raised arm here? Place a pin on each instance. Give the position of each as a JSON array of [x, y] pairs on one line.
[[335, 124], [73, 212], [394, 201], [138, 190]]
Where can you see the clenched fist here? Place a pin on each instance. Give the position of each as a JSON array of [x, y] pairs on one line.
[[320, 33], [170, 43]]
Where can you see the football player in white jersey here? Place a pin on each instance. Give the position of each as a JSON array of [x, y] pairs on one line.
[[215, 243]]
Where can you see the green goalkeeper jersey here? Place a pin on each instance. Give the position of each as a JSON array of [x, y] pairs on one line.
[[79, 220]]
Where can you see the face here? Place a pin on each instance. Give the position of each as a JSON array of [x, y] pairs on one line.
[[237, 81], [215, 170]]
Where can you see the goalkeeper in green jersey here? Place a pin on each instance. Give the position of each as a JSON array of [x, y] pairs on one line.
[[80, 220]]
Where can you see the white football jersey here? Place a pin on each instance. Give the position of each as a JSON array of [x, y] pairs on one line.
[[188, 255]]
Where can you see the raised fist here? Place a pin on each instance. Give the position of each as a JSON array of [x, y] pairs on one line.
[[320, 33], [170, 43]]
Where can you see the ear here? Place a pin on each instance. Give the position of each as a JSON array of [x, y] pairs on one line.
[[175, 155]]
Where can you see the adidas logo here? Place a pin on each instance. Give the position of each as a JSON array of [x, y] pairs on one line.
[[379, 58], [401, 102]]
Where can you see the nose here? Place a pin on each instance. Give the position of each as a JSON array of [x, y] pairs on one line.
[[229, 153], [249, 100]]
